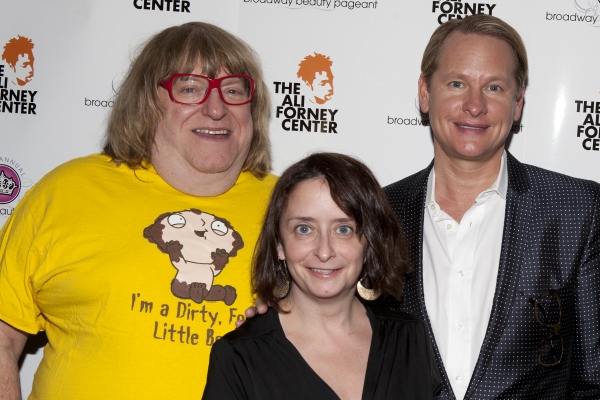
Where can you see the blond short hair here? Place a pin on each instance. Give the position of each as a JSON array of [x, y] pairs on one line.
[[137, 111], [479, 24]]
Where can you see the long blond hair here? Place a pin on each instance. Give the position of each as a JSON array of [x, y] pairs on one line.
[[136, 112]]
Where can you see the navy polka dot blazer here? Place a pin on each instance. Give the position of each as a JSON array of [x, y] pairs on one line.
[[551, 240]]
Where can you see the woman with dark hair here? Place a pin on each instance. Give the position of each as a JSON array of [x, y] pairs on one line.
[[329, 246]]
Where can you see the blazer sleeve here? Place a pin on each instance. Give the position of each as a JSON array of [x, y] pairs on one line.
[[585, 381], [228, 378]]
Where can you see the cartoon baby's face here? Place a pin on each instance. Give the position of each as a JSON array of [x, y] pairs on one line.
[[200, 234]]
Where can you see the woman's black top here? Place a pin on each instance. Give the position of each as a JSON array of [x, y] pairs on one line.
[[257, 362]]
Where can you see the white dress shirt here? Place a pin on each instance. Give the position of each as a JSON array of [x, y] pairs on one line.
[[460, 267]]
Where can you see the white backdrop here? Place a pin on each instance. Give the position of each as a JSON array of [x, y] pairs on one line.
[[82, 48]]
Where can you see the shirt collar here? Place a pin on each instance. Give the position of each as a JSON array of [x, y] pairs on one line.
[[500, 186]]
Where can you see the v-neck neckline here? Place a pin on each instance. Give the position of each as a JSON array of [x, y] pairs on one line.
[[369, 374]]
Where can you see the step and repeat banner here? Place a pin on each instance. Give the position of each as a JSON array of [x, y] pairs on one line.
[[342, 75]]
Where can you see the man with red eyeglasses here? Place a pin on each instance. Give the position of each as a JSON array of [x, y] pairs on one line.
[[136, 260]]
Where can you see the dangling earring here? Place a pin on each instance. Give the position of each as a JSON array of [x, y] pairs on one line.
[[281, 292], [367, 294]]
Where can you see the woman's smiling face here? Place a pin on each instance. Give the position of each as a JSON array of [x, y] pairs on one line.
[[320, 244]]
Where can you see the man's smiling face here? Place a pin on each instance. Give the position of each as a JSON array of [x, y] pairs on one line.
[[472, 98], [209, 138]]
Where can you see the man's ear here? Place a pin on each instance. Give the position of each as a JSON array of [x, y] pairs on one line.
[[519, 105], [280, 252], [423, 95]]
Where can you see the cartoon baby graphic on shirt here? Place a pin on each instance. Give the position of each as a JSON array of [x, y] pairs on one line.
[[199, 246]]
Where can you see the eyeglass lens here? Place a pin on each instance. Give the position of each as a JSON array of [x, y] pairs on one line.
[[192, 89], [548, 314], [550, 350]]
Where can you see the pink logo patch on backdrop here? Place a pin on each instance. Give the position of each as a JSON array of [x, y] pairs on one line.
[[10, 184]]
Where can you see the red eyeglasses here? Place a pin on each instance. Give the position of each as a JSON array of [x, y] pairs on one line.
[[234, 90]]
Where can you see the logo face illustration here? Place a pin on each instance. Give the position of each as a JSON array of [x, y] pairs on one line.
[[300, 109], [315, 71], [10, 184], [18, 54], [199, 246]]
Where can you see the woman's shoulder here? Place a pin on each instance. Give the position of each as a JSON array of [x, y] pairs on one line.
[[382, 312], [255, 327]]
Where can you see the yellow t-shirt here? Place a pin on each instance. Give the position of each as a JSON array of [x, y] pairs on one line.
[[117, 267]]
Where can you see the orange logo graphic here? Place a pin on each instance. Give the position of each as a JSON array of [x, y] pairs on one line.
[[315, 71], [18, 54]]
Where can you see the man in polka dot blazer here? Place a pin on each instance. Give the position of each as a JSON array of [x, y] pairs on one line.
[[506, 256]]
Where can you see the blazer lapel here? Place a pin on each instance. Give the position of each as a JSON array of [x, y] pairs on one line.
[[514, 241], [414, 296], [413, 292]]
